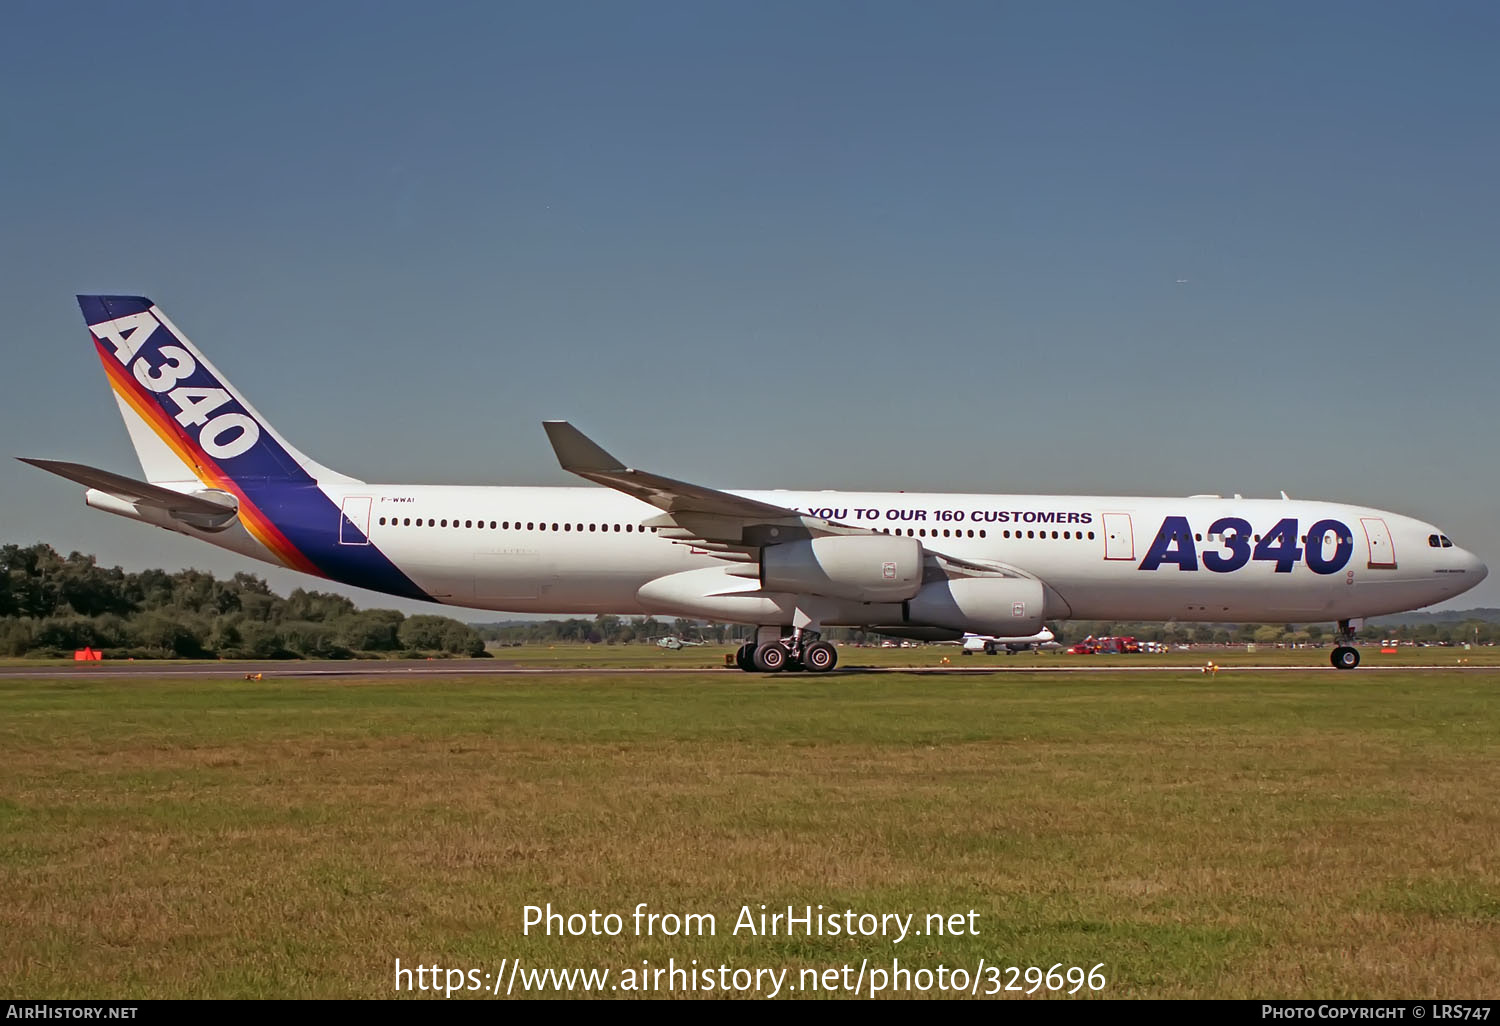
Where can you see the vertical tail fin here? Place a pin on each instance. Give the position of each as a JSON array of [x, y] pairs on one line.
[[186, 420]]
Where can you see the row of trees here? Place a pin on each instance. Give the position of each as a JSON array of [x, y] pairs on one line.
[[618, 630], [53, 605], [611, 630]]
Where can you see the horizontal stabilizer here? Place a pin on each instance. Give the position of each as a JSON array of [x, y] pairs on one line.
[[139, 492]]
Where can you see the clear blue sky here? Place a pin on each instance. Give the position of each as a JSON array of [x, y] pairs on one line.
[[830, 245]]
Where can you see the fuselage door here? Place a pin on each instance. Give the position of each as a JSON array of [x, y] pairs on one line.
[[1382, 551], [1119, 537], [354, 523]]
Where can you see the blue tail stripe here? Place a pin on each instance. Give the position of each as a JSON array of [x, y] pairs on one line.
[[310, 520]]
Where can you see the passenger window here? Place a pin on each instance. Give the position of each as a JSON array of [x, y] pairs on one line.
[[629, 528], [467, 523], [530, 526], [981, 533], [1091, 536], [567, 527]]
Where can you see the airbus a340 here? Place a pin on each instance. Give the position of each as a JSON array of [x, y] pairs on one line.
[[921, 565]]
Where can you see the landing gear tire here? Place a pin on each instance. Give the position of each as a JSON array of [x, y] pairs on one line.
[[820, 657], [770, 658], [1345, 658], [989, 648], [744, 656]]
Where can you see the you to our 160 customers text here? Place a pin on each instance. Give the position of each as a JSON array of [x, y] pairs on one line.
[[867, 979]]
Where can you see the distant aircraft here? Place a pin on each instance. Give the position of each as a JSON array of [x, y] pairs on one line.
[[1182, 281], [921, 565], [989, 644], [674, 643]]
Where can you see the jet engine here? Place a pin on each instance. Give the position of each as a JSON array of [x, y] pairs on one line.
[[1006, 606], [865, 568]]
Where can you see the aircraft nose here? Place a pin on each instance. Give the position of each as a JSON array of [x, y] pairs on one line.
[[1477, 571]]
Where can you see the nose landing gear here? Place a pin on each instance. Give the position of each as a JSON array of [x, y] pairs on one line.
[[1345, 656]]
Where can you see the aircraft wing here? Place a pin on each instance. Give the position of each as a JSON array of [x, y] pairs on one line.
[[137, 492], [582, 455], [728, 526]]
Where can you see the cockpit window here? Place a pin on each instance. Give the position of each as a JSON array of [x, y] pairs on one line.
[[1446, 543], [1433, 541]]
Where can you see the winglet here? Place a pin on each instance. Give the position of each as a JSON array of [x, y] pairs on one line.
[[577, 452]]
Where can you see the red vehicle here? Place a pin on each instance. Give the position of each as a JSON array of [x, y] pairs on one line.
[[1106, 646]]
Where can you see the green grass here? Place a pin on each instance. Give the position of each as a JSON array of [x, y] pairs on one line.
[[1265, 835]]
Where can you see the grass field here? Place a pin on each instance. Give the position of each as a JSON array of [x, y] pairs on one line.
[[1251, 835]]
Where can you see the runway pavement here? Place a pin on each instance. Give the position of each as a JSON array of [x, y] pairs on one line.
[[276, 669]]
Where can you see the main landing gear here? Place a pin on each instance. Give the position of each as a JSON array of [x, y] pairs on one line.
[[1345, 656], [801, 650]]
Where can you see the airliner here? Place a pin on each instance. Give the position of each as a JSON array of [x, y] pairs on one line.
[[932, 566], [989, 644]]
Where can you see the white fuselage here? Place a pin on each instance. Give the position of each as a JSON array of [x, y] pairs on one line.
[[583, 550]]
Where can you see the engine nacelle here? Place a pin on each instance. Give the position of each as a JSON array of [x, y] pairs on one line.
[[863, 567], [1005, 606], [716, 593]]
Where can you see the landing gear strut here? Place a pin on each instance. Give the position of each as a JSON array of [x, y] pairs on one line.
[[803, 649], [1345, 656]]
